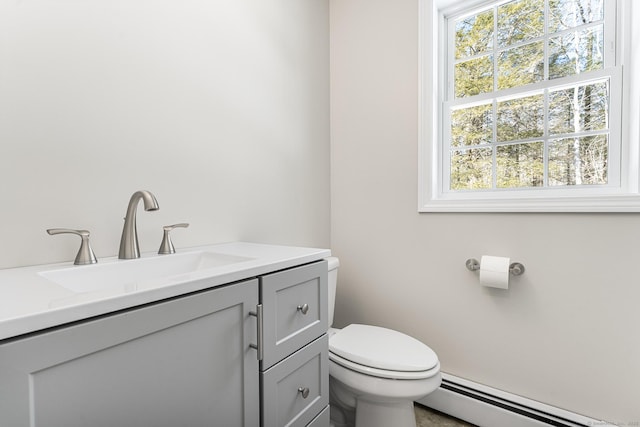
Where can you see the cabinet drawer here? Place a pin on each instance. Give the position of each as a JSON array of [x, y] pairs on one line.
[[295, 309], [285, 385]]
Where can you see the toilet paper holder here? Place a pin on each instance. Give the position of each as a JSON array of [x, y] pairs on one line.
[[515, 268]]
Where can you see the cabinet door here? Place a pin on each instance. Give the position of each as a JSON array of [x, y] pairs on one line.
[[183, 362], [295, 309]]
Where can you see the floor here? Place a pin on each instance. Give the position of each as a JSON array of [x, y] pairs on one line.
[[426, 417]]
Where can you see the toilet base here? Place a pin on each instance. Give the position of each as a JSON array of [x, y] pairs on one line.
[[353, 408], [373, 414]]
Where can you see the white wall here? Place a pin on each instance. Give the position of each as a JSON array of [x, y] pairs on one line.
[[566, 333], [220, 108]]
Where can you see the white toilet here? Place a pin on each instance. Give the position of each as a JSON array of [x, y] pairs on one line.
[[375, 373]]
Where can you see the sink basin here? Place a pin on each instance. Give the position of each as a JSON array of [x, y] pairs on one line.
[[135, 274]]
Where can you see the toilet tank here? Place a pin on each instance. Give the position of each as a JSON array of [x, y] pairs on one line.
[[332, 279]]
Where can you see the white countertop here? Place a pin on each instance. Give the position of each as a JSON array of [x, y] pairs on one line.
[[30, 302]]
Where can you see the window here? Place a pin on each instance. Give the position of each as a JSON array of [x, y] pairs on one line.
[[526, 108]]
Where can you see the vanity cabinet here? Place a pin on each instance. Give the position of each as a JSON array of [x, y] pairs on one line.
[[187, 361]]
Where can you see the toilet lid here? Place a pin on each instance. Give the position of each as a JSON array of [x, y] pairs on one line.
[[382, 348]]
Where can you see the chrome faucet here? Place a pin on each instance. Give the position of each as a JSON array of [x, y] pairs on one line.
[[129, 248]]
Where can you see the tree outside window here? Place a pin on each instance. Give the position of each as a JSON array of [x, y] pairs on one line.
[[525, 109]]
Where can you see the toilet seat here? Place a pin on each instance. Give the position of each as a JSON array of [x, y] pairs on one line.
[[382, 373], [382, 352]]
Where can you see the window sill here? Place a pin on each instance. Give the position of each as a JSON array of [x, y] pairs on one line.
[[617, 203]]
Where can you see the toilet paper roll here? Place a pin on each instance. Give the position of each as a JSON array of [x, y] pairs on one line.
[[494, 271]]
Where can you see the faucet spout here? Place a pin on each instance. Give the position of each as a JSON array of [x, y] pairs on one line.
[[129, 248]]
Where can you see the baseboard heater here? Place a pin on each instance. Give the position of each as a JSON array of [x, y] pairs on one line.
[[488, 407]]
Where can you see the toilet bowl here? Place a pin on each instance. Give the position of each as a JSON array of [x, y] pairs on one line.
[[375, 374]]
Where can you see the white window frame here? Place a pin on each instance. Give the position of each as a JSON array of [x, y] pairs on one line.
[[623, 196]]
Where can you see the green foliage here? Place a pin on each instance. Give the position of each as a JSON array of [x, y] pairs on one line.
[[474, 77], [520, 118], [521, 65], [520, 21], [474, 35], [472, 126], [520, 165], [471, 169]]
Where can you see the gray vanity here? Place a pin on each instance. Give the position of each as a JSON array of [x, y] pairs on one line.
[[241, 342]]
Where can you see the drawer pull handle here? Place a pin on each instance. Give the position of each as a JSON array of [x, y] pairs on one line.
[[259, 347], [304, 309], [304, 392]]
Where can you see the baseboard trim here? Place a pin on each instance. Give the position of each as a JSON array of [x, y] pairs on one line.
[[488, 407]]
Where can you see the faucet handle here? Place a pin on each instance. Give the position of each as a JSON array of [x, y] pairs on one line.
[[166, 247], [85, 253]]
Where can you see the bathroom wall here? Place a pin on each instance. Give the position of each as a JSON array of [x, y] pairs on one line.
[[565, 334], [220, 108]]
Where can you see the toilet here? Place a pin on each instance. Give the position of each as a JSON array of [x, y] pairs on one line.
[[375, 374]]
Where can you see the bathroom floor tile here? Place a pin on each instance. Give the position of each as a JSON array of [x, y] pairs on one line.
[[426, 417]]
